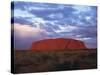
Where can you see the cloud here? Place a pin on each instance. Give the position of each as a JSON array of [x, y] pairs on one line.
[[56, 16], [45, 6], [66, 28], [35, 21], [22, 13], [38, 8], [84, 38], [69, 14], [86, 31], [26, 31], [38, 21], [81, 8], [20, 20], [25, 35]]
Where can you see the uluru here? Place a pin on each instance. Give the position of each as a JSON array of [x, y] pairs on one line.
[[57, 44]]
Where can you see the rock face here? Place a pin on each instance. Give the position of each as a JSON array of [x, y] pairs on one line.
[[57, 44]]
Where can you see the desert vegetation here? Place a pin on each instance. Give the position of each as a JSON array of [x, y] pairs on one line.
[[36, 61]]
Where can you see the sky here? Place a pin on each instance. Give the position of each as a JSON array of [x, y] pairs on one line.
[[33, 21]]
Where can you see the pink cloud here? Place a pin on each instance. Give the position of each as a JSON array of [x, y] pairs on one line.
[[25, 31]]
